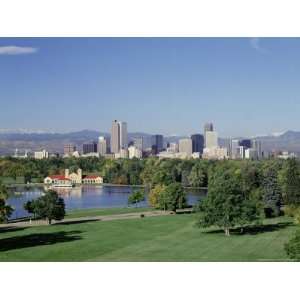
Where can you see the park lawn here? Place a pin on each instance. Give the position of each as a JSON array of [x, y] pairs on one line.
[[93, 212], [164, 238]]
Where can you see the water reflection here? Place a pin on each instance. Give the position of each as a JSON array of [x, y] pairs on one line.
[[85, 197]]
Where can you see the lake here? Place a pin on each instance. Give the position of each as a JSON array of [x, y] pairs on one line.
[[85, 197]]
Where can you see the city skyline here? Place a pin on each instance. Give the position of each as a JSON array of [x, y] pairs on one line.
[[160, 85]]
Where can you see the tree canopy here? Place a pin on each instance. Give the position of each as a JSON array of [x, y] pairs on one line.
[[49, 206]]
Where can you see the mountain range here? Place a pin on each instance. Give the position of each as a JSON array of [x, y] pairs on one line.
[[54, 142]]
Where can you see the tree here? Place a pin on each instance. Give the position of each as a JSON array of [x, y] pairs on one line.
[[227, 204], [5, 210], [136, 197], [155, 195], [290, 180], [292, 248], [173, 197], [49, 206], [198, 175], [272, 197]]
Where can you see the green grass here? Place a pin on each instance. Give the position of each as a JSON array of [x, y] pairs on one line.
[[164, 238], [104, 212]]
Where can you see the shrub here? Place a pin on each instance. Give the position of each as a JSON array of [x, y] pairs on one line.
[[292, 248]]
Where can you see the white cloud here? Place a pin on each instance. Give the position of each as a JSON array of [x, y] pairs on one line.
[[15, 50], [255, 43]]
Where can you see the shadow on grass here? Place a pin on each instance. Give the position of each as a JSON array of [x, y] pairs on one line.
[[254, 229], [11, 229], [76, 222], [38, 239]]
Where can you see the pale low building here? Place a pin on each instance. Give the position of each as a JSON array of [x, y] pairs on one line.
[[134, 152], [76, 178], [286, 155], [171, 155], [122, 154], [41, 154], [196, 155], [92, 179], [215, 153], [58, 180], [91, 154], [173, 148], [72, 179]]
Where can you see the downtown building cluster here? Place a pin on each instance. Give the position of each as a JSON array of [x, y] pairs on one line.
[[205, 145]]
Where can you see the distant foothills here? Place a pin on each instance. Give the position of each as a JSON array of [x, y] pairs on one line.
[[54, 142]]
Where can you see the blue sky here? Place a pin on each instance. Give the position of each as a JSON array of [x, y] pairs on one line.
[[159, 85]]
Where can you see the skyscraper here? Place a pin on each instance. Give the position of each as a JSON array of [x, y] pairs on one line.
[[207, 128], [115, 137], [89, 148], [234, 148], [123, 135], [139, 143], [211, 139], [186, 146], [102, 145], [198, 143], [256, 145], [157, 143], [119, 139], [246, 143]]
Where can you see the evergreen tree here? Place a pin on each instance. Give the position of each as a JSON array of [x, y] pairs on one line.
[[290, 179], [272, 197]]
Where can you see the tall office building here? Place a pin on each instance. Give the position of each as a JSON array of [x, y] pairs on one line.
[[119, 137], [138, 143], [102, 146], [89, 148], [198, 143], [234, 148], [157, 143], [69, 149], [246, 143], [186, 146], [256, 145], [211, 139], [207, 128], [123, 135]]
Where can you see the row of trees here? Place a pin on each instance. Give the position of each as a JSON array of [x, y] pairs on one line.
[[241, 194]]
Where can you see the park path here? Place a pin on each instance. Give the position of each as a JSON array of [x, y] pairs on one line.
[[125, 216]]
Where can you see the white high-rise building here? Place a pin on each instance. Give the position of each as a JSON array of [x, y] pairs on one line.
[[211, 139], [186, 146], [102, 146]]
